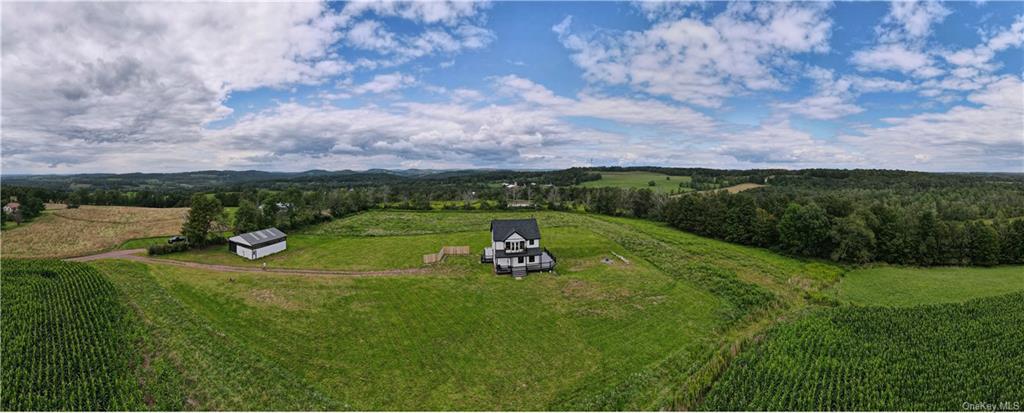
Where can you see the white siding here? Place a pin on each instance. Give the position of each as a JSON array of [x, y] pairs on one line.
[[262, 251], [271, 249], [243, 252]]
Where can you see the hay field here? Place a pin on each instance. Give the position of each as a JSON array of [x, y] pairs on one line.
[[62, 233]]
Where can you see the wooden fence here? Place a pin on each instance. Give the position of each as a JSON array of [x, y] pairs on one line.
[[446, 250]]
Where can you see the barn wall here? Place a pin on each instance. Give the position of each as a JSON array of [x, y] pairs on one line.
[[244, 252], [271, 249]]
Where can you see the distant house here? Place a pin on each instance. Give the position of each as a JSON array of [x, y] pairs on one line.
[[518, 203], [281, 206], [11, 207], [515, 248], [258, 244]]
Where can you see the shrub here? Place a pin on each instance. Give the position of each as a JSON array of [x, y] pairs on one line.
[[161, 249]]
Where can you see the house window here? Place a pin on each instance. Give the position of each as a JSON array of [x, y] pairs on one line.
[[515, 246], [520, 260], [532, 258]]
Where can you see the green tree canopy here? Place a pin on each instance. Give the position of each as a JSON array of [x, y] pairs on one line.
[[204, 213]]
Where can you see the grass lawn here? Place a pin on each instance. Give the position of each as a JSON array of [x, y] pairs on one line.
[[144, 242], [386, 223], [639, 179], [903, 286], [590, 337]]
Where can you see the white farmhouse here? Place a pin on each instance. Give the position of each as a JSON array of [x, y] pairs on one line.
[[258, 244], [515, 248]]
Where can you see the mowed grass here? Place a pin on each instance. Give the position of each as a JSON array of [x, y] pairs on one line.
[[143, 242], [347, 253], [382, 240], [459, 339], [592, 336], [639, 179], [387, 223], [88, 229], [905, 286]]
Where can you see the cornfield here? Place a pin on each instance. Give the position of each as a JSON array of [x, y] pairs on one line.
[[934, 357], [65, 339]]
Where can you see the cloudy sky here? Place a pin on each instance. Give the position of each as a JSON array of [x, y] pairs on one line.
[[123, 87]]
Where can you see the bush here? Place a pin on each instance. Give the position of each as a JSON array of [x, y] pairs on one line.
[[161, 249]]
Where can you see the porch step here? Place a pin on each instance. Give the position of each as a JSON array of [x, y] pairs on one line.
[[518, 271]]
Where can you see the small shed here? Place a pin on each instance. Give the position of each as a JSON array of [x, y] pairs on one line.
[[258, 244]]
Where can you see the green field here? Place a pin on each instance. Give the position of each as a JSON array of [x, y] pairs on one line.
[[443, 342], [687, 323], [594, 335], [637, 179], [933, 357], [143, 242], [901, 339], [901, 286], [387, 223]]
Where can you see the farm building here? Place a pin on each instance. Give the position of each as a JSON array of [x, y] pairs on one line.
[[11, 207], [258, 244], [515, 248]]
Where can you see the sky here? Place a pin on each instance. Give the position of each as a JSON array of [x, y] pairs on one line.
[[170, 87]]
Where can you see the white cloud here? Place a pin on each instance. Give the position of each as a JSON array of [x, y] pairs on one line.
[[142, 81], [645, 112], [780, 143], [445, 12], [987, 137], [980, 57], [911, 19], [895, 57], [821, 107], [385, 83], [702, 62], [836, 96]]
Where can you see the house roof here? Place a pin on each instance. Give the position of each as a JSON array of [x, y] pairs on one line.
[[13, 205], [263, 236], [501, 229]]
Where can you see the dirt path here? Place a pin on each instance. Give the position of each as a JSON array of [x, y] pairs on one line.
[[131, 255]]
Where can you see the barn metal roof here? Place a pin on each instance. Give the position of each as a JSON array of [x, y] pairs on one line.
[[263, 236], [501, 229]]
